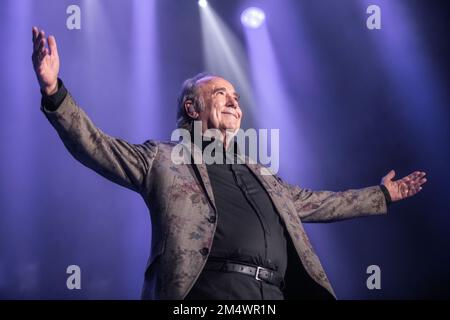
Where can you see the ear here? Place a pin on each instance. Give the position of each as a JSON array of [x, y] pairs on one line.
[[190, 110]]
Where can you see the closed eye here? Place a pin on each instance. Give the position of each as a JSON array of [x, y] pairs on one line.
[[221, 91]]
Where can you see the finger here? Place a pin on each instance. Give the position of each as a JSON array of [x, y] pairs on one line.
[[421, 174], [417, 183], [36, 56], [40, 36], [34, 32], [419, 180], [390, 175], [41, 46], [36, 43], [37, 39], [411, 177], [42, 55], [44, 43], [417, 174], [414, 191], [53, 49]]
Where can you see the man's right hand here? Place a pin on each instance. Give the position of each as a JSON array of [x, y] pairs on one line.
[[45, 61]]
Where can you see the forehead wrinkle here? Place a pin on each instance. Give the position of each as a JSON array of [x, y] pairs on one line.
[[208, 88], [224, 88]]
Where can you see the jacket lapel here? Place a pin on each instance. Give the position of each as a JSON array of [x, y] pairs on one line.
[[200, 167], [273, 188], [206, 182]]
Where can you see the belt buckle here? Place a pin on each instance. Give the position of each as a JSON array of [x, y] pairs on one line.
[[258, 269]]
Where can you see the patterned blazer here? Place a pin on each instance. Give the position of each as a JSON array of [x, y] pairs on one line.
[[181, 201]]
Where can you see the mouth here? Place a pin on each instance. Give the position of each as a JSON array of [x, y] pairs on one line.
[[230, 113]]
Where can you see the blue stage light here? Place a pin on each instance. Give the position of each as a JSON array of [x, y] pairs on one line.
[[253, 17]]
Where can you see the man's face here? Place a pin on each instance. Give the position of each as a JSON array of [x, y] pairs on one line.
[[222, 110]]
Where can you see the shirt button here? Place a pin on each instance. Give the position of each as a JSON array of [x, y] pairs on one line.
[[204, 251], [212, 219]]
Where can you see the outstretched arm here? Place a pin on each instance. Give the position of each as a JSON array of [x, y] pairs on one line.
[[326, 206], [115, 159]]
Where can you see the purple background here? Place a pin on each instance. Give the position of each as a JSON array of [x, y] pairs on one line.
[[350, 103]]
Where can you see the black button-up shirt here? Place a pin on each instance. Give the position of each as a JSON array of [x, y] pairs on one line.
[[249, 230]]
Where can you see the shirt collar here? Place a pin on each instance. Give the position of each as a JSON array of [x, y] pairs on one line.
[[232, 149]]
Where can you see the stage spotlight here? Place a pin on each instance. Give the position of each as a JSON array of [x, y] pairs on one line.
[[203, 3], [253, 17]]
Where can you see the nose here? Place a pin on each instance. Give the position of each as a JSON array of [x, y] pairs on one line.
[[231, 102]]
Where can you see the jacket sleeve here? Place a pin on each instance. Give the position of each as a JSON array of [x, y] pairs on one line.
[[327, 206], [115, 159]]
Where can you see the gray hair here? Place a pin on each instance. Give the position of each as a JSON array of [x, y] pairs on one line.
[[189, 92]]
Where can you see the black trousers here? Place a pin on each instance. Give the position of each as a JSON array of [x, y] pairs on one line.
[[220, 285]]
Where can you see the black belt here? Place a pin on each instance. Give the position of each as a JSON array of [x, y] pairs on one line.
[[258, 273]]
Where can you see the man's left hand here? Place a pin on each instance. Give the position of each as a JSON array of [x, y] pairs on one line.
[[405, 187]]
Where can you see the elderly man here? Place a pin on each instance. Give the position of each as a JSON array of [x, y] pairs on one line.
[[219, 231]]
